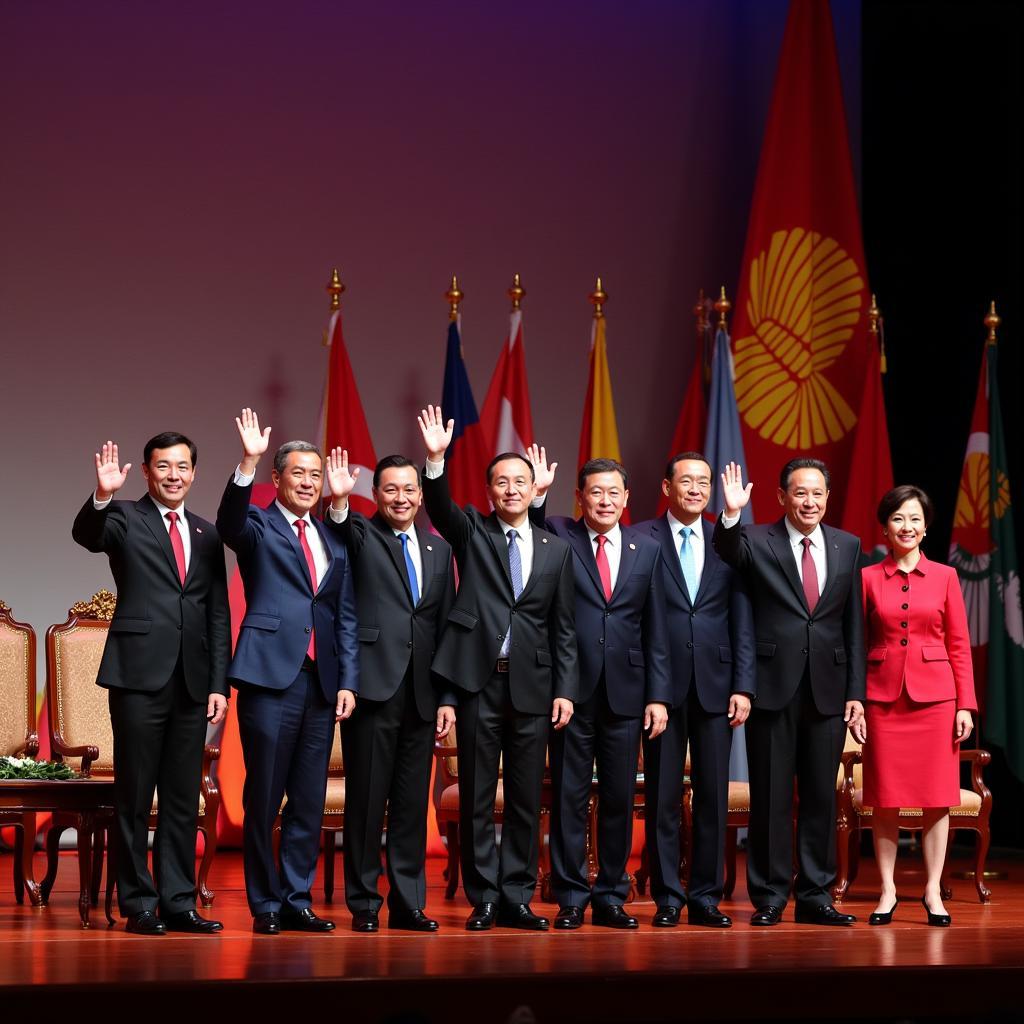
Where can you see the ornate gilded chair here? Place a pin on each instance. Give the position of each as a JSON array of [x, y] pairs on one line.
[[18, 737], [334, 812], [80, 731]]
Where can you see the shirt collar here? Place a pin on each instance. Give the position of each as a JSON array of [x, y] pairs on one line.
[[291, 516], [816, 536], [890, 568], [163, 509], [675, 526], [522, 530], [613, 535]]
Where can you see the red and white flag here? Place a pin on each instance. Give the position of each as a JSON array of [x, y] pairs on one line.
[[505, 418]]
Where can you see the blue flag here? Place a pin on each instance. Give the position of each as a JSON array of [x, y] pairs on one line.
[[723, 441], [466, 459]]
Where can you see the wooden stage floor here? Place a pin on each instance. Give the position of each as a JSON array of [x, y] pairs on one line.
[[907, 971]]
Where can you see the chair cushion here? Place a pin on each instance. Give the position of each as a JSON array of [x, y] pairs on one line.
[[969, 806], [449, 802], [739, 797]]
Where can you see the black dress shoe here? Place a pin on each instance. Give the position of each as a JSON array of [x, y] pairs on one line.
[[519, 915], [267, 924], [482, 917], [365, 921], [305, 921], [766, 916], [412, 921], [708, 915], [613, 916], [569, 918], [666, 917], [145, 923], [825, 913], [886, 918], [936, 920], [190, 921]]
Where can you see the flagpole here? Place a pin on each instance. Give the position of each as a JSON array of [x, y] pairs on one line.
[[516, 293]]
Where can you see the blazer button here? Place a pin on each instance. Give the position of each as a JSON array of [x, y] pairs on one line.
[[904, 606], [689, 643], [179, 625], [903, 625], [803, 650], [409, 644], [600, 640], [309, 629], [905, 587], [513, 611], [904, 642], [810, 622]]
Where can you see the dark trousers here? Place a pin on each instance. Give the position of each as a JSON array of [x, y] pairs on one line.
[[795, 741], [158, 746], [710, 739], [388, 754], [594, 731], [489, 728], [286, 744]]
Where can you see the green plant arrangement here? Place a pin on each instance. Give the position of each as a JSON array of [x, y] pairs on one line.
[[26, 768]]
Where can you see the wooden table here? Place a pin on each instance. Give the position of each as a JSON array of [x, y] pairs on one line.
[[92, 800]]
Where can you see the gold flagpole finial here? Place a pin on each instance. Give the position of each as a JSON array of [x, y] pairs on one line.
[[876, 327], [700, 313], [517, 292], [598, 297], [454, 295], [334, 289], [992, 321], [722, 307], [873, 315]]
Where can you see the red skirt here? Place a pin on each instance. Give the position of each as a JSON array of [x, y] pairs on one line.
[[910, 759]]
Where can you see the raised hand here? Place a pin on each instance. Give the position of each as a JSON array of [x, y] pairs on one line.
[[735, 494], [436, 435], [339, 479], [542, 470], [254, 442], [109, 474]]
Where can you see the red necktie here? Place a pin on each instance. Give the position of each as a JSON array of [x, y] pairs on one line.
[[177, 545], [810, 574], [604, 570], [308, 552]]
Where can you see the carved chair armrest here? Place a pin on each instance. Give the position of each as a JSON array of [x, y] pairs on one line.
[[87, 752], [441, 751], [978, 759], [31, 747], [844, 809], [210, 754]]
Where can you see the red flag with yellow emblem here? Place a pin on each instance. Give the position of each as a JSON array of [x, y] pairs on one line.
[[800, 328]]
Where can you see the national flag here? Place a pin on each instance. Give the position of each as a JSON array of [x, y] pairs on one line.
[[800, 346], [723, 438], [505, 419]]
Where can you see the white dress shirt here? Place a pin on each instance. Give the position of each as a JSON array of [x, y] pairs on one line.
[[181, 525], [613, 549], [696, 543]]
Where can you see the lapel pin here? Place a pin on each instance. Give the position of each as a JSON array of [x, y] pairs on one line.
[[543, 540], [430, 547], [199, 529], [632, 547]]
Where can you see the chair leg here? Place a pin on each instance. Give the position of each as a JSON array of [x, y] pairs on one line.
[[329, 849], [730, 863], [52, 858], [206, 894], [19, 854], [980, 856], [452, 835], [98, 847], [842, 883], [642, 872], [854, 854], [111, 874]]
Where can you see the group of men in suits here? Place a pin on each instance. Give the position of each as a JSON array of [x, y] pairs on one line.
[[573, 642]]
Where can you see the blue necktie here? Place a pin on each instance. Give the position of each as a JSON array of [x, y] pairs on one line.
[[515, 563], [410, 568], [687, 563]]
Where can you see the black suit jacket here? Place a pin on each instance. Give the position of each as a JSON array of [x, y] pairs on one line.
[[711, 635], [543, 661], [829, 643], [156, 617], [392, 631]]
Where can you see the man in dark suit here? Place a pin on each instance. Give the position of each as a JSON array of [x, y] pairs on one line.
[[804, 584], [164, 665], [711, 641], [405, 587], [625, 687], [509, 653], [296, 666]]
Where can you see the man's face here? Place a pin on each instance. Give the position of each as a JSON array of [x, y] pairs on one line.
[[689, 490], [299, 486], [511, 489], [602, 499], [399, 496], [169, 474], [805, 499]]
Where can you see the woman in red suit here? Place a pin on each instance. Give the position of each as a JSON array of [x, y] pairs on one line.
[[920, 694]]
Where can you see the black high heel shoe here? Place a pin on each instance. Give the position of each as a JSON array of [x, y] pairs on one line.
[[885, 918], [936, 920]]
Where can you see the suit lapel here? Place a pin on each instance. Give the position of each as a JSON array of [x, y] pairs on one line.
[[669, 554], [712, 563], [429, 559], [495, 534], [627, 559], [197, 540], [394, 549], [325, 543], [154, 521], [283, 527], [831, 560], [579, 538], [540, 557], [778, 541]]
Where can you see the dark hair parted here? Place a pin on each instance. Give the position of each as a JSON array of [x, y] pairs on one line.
[[593, 466], [509, 455], [804, 463], [168, 439], [670, 466], [394, 462], [893, 499]]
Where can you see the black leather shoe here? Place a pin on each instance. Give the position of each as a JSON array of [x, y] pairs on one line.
[[267, 924], [482, 917], [365, 921], [613, 916], [145, 923], [569, 918], [305, 921], [886, 918], [936, 920], [666, 917], [823, 914], [766, 916], [412, 921], [707, 915], [519, 915], [190, 921]]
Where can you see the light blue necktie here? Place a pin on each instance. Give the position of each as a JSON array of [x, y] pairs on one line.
[[515, 563], [687, 563], [410, 568]]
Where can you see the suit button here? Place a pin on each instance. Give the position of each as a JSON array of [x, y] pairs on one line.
[[309, 629], [600, 640], [314, 602], [689, 643], [904, 642], [903, 625], [904, 606], [179, 625], [803, 650], [513, 611], [409, 644], [810, 622]]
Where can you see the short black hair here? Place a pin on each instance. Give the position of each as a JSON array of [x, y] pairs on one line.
[[804, 463], [509, 455], [168, 439], [893, 499], [670, 466], [394, 462], [593, 466]]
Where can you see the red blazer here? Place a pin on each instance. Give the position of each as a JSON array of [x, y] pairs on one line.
[[915, 627]]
